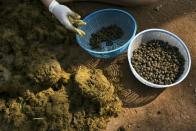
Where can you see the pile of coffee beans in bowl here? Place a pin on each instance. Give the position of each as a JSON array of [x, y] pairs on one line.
[[106, 34], [158, 62]]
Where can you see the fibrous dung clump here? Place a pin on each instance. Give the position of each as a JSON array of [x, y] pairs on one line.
[[47, 110], [158, 62], [4, 78], [10, 83], [95, 86], [4, 74], [47, 71], [106, 34]]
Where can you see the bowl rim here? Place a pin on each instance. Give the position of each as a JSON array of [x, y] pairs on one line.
[[119, 48], [150, 84]]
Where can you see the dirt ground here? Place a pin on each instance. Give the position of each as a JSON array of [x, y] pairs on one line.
[[145, 108]]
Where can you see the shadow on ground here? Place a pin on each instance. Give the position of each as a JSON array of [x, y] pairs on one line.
[[129, 89]]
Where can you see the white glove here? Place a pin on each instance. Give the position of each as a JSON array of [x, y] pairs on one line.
[[67, 17]]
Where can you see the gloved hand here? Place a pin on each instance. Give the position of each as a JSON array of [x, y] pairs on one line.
[[67, 17]]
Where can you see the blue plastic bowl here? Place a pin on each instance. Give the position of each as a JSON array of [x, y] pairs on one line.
[[103, 18]]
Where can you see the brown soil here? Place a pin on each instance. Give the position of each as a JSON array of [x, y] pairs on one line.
[[30, 35]]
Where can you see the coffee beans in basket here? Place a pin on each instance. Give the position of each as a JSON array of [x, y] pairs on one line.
[[106, 34], [158, 62]]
